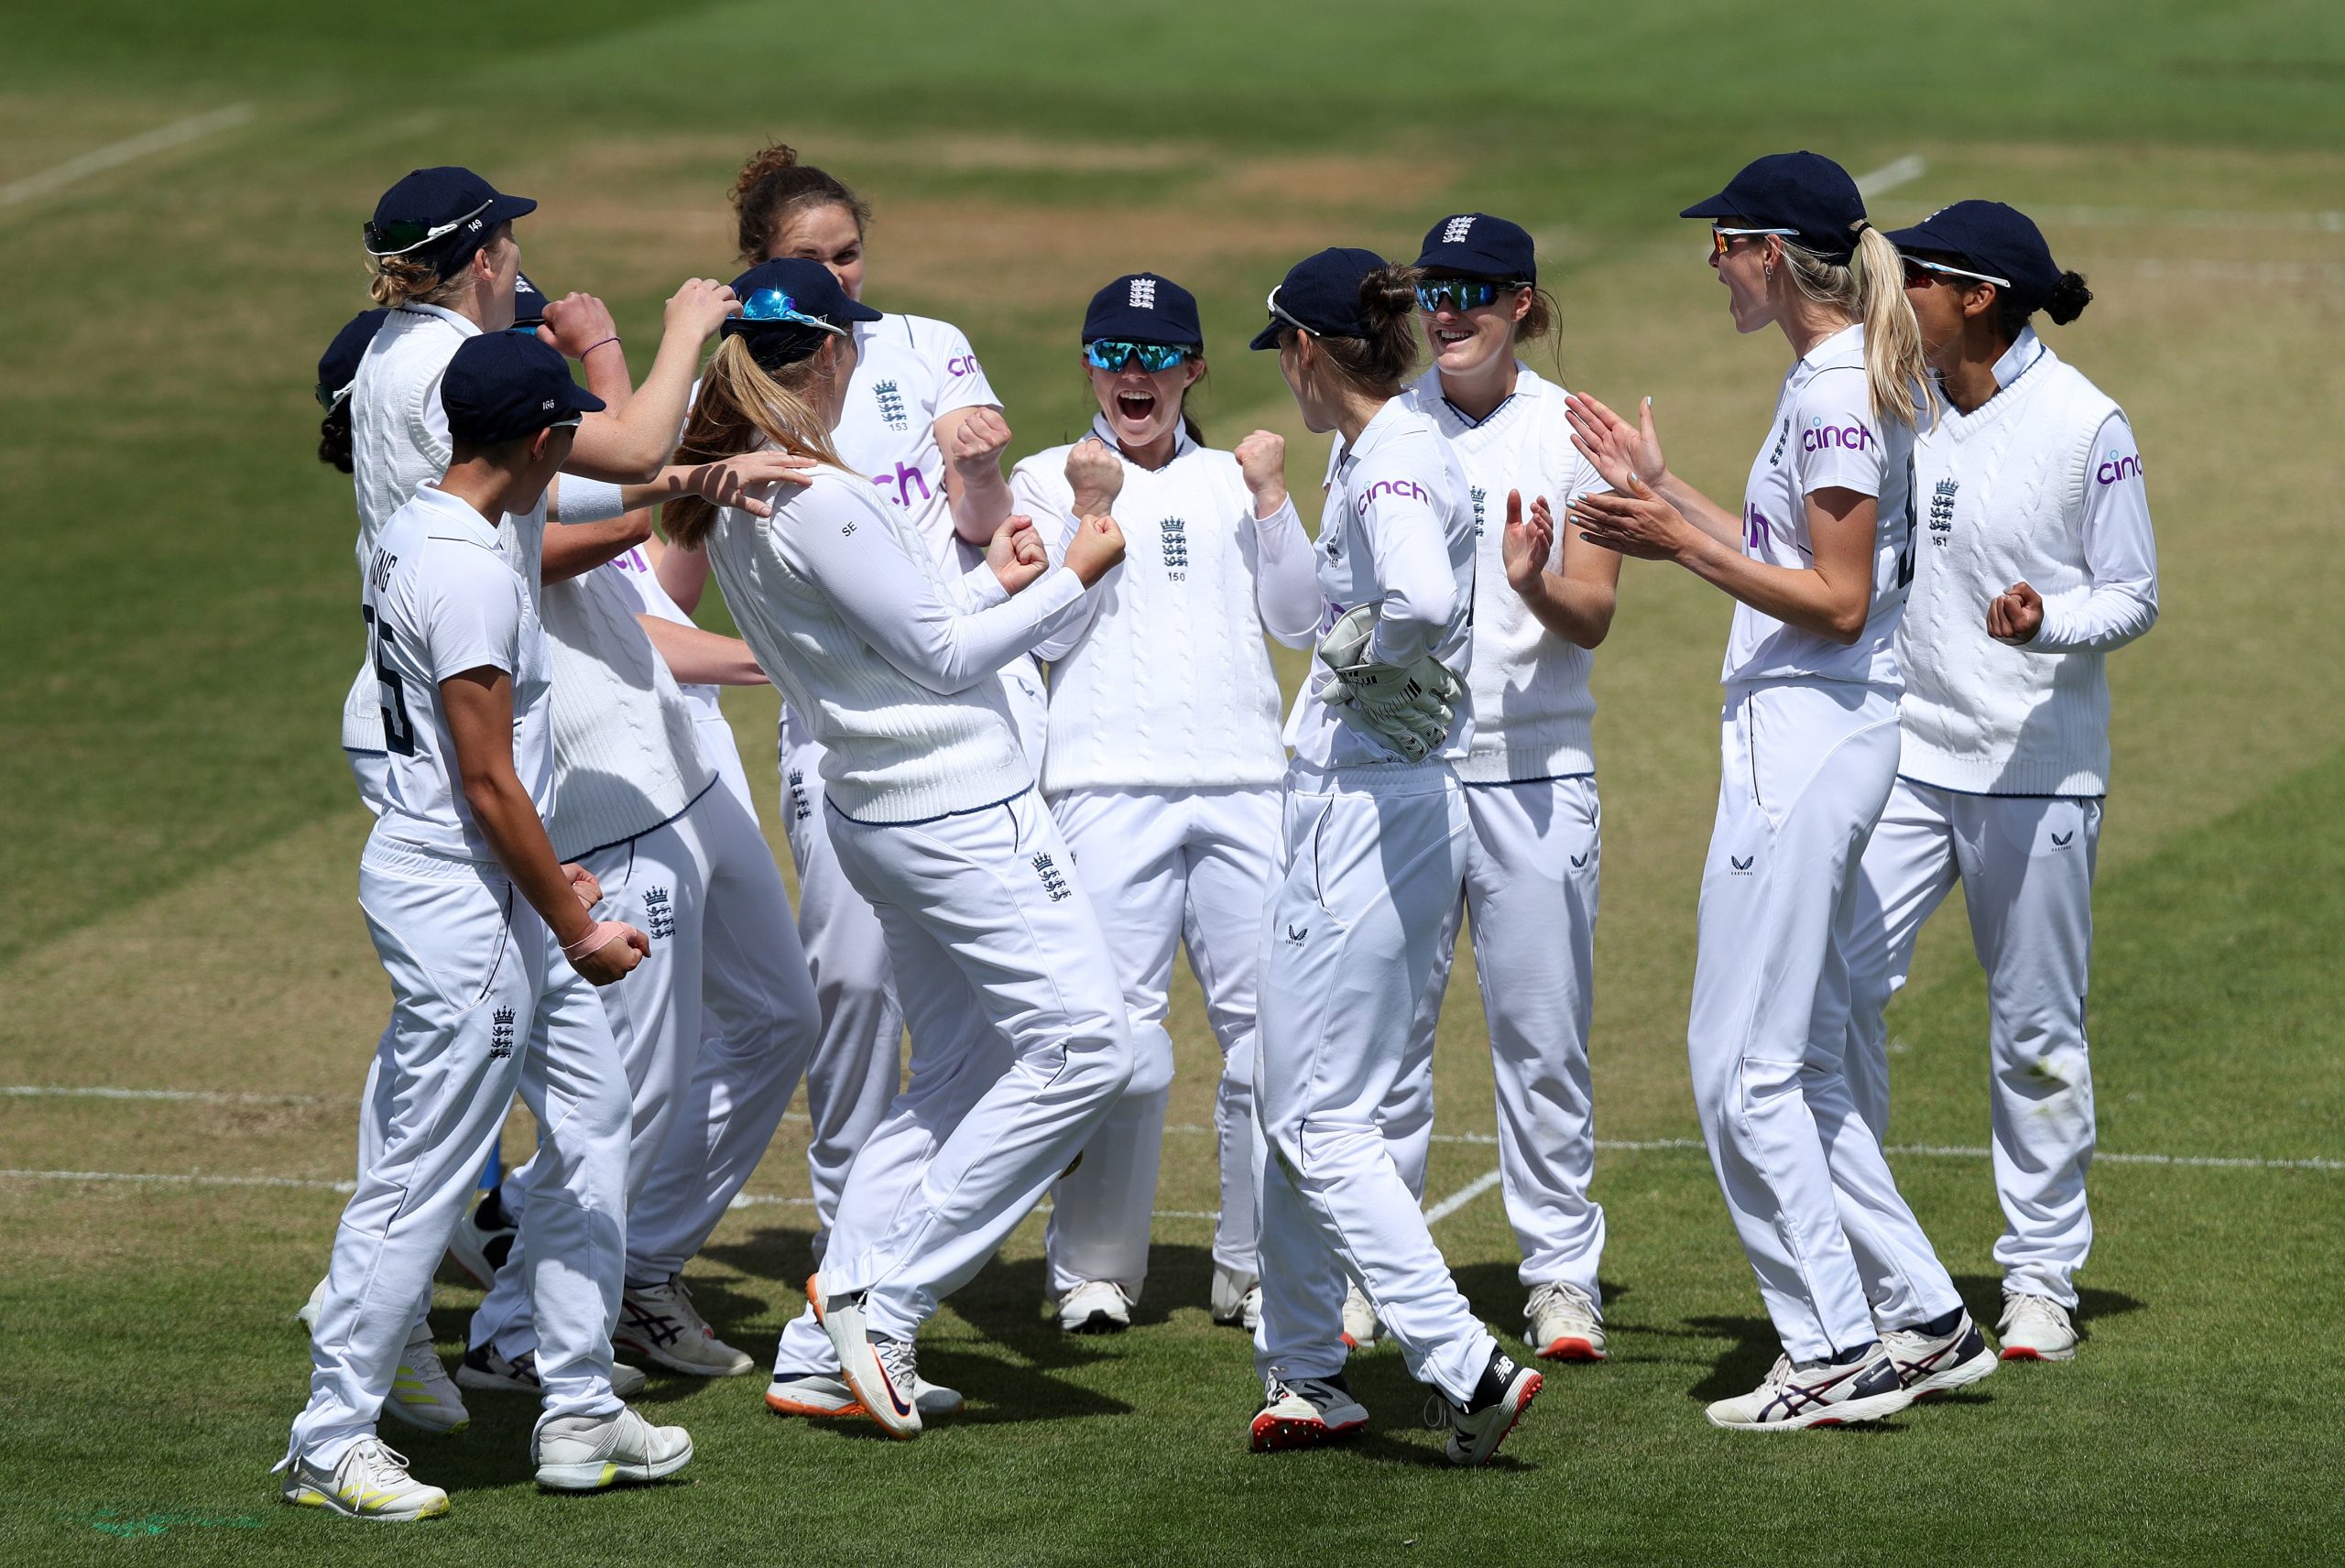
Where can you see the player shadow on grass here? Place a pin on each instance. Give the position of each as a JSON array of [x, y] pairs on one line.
[[1001, 1303]]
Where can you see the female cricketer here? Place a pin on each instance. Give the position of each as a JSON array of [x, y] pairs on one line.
[[490, 946], [2039, 560], [1818, 564], [933, 818], [1163, 763], [1374, 853]]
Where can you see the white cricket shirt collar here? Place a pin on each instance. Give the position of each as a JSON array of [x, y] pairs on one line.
[[454, 512], [2024, 351]]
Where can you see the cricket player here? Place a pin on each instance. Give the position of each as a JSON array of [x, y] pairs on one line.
[[493, 956], [2038, 562], [1818, 562], [933, 818], [1164, 765], [1374, 853]]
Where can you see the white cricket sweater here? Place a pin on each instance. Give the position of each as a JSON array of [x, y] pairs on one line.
[[626, 756], [1535, 717], [1164, 683], [398, 440], [894, 671], [2042, 483]]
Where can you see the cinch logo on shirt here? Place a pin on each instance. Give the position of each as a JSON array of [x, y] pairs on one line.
[[2116, 466], [1821, 437], [1755, 528], [903, 481], [1408, 489], [962, 365]]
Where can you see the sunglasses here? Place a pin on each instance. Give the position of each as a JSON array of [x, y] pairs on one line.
[[1271, 303], [1114, 354], [773, 305], [1460, 293], [1722, 240], [1919, 272], [400, 236]]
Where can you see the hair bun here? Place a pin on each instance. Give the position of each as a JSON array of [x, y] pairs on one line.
[[768, 161], [1388, 293], [2069, 298]]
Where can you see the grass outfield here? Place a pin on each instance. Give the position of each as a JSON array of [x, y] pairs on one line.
[[176, 631]]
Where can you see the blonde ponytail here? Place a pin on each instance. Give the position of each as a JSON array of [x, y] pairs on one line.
[[1893, 362], [741, 406]]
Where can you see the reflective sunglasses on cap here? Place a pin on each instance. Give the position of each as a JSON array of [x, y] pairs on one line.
[[1114, 354], [1270, 302], [1460, 293], [1918, 272], [400, 236], [1722, 239], [773, 305]]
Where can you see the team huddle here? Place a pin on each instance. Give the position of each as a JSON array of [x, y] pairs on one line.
[[1032, 743]]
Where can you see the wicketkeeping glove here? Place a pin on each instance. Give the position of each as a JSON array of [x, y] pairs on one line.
[[1408, 707]]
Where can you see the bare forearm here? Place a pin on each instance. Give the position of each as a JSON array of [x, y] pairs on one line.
[[684, 573], [606, 375], [1579, 612], [980, 505], [508, 818], [1701, 511], [1806, 598], [573, 549], [698, 658]]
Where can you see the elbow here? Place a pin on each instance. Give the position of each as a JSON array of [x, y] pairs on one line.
[[482, 795], [1595, 625], [1845, 626]]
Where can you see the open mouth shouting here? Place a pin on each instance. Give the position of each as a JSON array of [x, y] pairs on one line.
[[1135, 407]]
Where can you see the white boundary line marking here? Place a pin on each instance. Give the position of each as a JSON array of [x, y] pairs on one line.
[[179, 133], [1463, 1196], [1891, 175], [206, 1097]]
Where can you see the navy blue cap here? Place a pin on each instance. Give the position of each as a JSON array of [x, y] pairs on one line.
[[1144, 306], [1803, 191], [529, 301], [339, 367], [504, 385], [788, 306], [1320, 294], [442, 215], [1989, 237], [1476, 244]]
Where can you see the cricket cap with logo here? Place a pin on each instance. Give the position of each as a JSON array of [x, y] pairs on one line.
[[528, 302], [1320, 294], [1805, 192], [502, 386], [1144, 306], [442, 215], [790, 307], [1992, 239], [1475, 244]]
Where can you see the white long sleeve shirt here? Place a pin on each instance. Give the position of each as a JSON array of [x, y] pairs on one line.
[[1397, 531], [893, 669], [1160, 680]]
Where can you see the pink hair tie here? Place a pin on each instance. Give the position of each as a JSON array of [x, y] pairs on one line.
[[604, 932]]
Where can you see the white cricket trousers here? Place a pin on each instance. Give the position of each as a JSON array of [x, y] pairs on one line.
[[1164, 868], [985, 919], [1372, 859], [704, 888], [2025, 863], [483, 1005], [1532, 864], [1840, 1257]]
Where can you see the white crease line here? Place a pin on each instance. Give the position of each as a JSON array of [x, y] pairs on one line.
[[1460, 1198], [2325, 223], [99, 1092], [177, 134], [1889, 176], [192, 1179]]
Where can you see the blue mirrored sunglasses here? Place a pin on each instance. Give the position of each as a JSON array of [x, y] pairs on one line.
[[1114, 354], [773, 305], [1458, 293]]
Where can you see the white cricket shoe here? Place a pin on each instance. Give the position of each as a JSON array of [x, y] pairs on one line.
[[1822, 1393], [1930, 1364], [2035, 1328], [370, 1483], [483, 1368], [480, 1250], [308, 1316], [1565, 1323], [825, 1394], [585, 1453], [1304, 1412], [1478, 1426], [1360, 1328], [1096, 1306], [421, 1394], [659, 1322], [1236, 1298], [883, 1372]]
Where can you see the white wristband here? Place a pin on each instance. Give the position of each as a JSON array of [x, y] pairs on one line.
[[587, 500]]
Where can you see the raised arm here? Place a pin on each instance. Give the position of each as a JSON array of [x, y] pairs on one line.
[[1286, 582], [625, 444], [1831, 598], [1575, 604], [1617, 451]]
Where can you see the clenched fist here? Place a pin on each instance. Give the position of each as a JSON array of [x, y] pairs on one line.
[[974, 445], [1015, 553], [1096, 474], [576, 322], [1262, 462], [2015, 615], [1097, 549]]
